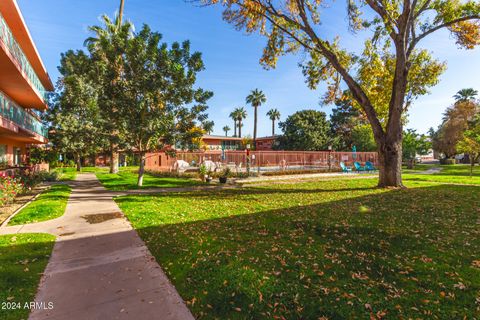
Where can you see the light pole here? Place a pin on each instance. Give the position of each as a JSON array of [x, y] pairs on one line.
[[330, 158]]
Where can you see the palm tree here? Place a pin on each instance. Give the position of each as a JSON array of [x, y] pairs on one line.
[[274, 115], [233, 116], [226, 129], [241, 114], [108, 46], [256, 98], [465, 95]]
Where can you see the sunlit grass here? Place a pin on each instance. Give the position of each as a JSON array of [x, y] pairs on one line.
[[49, 205], [340, 249]]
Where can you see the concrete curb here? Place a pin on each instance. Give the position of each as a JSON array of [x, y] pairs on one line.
[[6, 221]]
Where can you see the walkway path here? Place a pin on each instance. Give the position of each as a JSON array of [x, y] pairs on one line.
[[100, 268]]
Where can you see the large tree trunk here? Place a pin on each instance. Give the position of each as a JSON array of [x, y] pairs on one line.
[[78, 162], [114, 161], [141, 170], [273, 128], [234, 128], [390, 159], [239, 128]]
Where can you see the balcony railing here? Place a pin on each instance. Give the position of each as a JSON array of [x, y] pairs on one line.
[[11, 111], [7, 38]]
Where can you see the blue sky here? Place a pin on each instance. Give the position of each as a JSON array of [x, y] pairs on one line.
[[231, 57]]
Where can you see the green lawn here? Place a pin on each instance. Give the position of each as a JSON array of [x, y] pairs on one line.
[[23, 258], [49, 205], [458, 173], [126, 179], [66, 174], [341, 249]]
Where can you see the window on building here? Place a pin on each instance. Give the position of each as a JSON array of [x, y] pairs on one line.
[[3, 154], [17, 156]]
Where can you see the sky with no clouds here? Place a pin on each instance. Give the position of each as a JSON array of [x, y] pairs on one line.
[[231, 57]]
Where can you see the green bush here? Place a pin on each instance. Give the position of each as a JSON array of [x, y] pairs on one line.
[[299, 171], [448, 161]]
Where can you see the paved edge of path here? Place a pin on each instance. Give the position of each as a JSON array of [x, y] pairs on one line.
[[101, 269]]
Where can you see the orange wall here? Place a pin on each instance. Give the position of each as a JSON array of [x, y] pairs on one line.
[[12, 144]]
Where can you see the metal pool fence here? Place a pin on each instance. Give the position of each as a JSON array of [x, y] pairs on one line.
[[261, 161]]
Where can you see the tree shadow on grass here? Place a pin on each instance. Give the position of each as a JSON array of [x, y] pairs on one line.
[[23, 258], [406, 256]]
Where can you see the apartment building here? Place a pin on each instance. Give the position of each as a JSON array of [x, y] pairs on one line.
[[24, 84]]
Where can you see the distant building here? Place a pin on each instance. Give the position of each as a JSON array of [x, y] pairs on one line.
[[24, 83], [214, 142], [266, 143]]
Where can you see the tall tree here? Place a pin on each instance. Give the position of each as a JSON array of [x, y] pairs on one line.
[[107, 47], [274, 115], [241, 114], [470, 142], [465, 95], [120, 13], [208, 126], [226, 129], [256, 98], [391, 71], [455, 122], [158, 84], [233, 116], [305, 130], [74, 117], [413, 144]]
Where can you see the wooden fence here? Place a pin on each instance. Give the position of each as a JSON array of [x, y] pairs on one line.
[[268, 160]]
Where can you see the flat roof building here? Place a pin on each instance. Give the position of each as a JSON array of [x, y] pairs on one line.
[[24, 84]]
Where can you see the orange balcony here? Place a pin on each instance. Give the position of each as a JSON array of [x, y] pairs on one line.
[[20, 124], [22, 74]]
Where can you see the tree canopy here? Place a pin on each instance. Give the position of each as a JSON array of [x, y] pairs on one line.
[[385, 77], [305, 130]]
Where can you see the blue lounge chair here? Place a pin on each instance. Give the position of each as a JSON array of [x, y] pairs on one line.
[[345, 168], [369, 166], [358, 167]]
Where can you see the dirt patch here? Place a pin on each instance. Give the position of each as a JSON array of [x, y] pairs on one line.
[[102, 217]]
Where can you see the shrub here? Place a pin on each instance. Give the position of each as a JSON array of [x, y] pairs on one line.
[[9, 188], [448, 161], [28, 178], [299, 171], [48, 176]]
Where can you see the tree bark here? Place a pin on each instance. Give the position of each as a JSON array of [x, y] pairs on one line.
[[255, 128], [234, 128], [472, 163], [390, 159], [141, 170], [113, 161], [239, 128], [273, 128], [78, 162]]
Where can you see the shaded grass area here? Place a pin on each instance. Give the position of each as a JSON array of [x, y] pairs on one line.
[[49, 205], [341, 249], [23, 258], [458, 173], [126, 179]]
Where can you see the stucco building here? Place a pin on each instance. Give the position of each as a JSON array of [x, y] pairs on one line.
[[24, 83]]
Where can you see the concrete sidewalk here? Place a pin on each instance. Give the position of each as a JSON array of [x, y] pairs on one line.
[[100, 268]]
